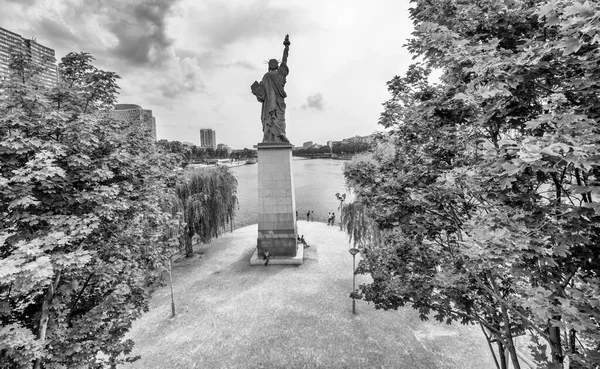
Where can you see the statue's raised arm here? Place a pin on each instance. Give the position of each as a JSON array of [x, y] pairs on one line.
[[286, 49]]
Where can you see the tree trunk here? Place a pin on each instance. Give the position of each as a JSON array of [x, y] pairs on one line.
[[557, 187], [489, 342], [586, 197], [512, 350], [555, 344], [509, 339], [189, 248], [171, 285], [46, 316], [79, 295], [573, 350], [501, 354]]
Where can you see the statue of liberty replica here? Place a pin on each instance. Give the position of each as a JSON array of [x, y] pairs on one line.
[[277, 230], [270, 92]]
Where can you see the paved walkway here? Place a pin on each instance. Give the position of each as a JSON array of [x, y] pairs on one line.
[[231, 315]]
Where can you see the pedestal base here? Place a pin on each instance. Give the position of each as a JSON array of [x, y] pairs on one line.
[[279, 260], [277, 232]]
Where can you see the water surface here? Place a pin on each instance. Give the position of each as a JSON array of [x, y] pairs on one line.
[[316, 181]]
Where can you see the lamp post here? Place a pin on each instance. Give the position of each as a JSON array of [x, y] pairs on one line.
[[171, 285], [341, 197], [353, 251]]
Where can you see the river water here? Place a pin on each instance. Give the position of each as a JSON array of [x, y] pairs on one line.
[[316, 182]]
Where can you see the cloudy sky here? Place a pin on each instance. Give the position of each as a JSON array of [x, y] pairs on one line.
[[192, 61]]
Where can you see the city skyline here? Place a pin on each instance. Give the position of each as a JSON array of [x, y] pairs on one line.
[[193, 61], [305, 144]]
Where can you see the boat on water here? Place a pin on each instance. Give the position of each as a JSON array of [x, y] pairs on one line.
[[222, 163], [237, 163], [225, 162], [197, 166]]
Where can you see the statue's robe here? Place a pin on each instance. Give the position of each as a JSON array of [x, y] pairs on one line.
[[270, 92]]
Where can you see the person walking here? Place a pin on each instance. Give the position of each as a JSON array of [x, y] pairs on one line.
[[332, 218], [308, 216], [328, 218]]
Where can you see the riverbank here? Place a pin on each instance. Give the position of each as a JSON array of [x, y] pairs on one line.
[[325, 156], [232, 315]]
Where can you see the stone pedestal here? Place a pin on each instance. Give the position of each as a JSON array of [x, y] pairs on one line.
[[277, 231]]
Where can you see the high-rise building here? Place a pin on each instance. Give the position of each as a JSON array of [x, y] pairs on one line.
[[42, 57], [136, 115], [208, 138], [307, 144]]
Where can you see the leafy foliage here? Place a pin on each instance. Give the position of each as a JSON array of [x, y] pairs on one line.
[[348, 146], [192, 153], [484, 190], [207, 202], [82, 231]]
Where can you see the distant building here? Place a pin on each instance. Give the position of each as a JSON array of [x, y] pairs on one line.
[[224, 147], [136, 115], [208, 138], [330, 143], [41, 56], [307, 144]]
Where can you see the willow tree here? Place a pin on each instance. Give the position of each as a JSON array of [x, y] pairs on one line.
[[207, 201]]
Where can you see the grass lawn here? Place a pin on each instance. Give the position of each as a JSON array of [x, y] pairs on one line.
[[232, 315]]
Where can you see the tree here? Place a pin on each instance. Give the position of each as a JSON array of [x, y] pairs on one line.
[[85, 87], [221, 153], [353, 145], [197, 153], [207, 202], [482, 193], [82, 230], [249, 153], [186, 152], [210, 152]]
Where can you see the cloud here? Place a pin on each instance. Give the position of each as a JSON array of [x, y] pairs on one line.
[[315, 101], [219, 23], [181, 76], [133, 33], [211, 60], [242, 64], [140, 30], [24, 3], [133, 40], [57, 31]]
